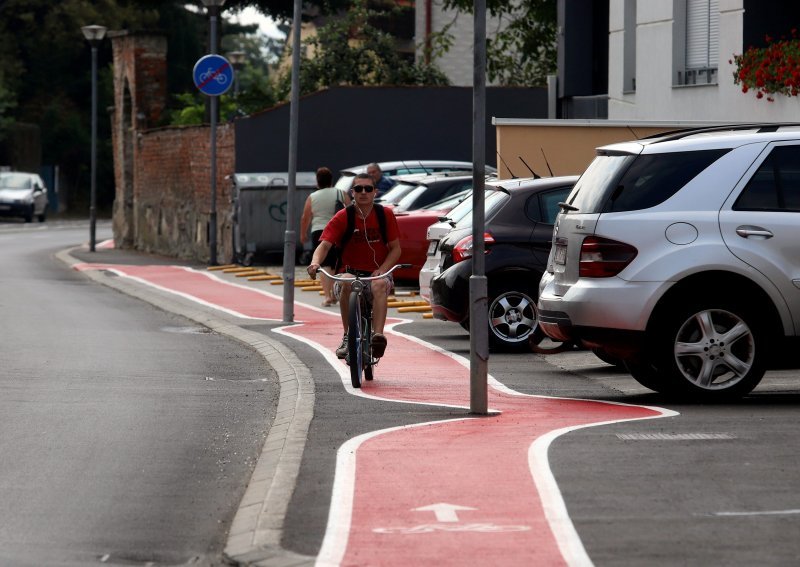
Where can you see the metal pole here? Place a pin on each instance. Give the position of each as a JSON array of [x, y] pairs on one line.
[[212, 220], [478, 289], [93, 194], [289, 243]]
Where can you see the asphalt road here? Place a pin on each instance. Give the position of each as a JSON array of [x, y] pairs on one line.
[[127, 434], [716, 484]]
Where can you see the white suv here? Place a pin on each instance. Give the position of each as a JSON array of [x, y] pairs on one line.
[[680, 255]]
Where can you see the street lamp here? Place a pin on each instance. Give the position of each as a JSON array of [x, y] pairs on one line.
[[237, 58], [94, 35], [213, 7]]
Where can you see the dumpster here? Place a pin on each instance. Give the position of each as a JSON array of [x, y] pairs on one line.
[[259, 213]]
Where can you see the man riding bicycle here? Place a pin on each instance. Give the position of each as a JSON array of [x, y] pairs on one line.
[[369, 238]]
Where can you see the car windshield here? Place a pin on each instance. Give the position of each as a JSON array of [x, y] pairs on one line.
[[345, 181], [396, 193], [407, 201], [461, 216], [450, 202], [15, 181]]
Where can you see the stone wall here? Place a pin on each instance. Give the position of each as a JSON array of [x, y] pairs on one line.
[[162, 199], [172, 192]]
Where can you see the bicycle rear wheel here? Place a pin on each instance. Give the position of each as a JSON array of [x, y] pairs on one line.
[[367, 334], [355, 339]]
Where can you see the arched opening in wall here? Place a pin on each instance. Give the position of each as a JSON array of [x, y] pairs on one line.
[[127, 135]]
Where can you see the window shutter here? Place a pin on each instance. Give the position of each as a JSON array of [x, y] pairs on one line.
[[702, 34]]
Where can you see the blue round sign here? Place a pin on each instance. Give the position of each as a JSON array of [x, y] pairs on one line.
[[213, 75]]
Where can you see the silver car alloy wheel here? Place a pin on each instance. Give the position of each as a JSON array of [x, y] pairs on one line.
[[513, 317], [714, 349]]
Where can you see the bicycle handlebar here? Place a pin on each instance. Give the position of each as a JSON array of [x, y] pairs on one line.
[[363, 279]]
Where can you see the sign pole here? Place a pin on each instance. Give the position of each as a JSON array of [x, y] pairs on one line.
[[289, 242], [478, 288], [212, 217]]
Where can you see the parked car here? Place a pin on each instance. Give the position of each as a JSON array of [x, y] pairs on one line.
[[427, 190], [405, 167], [518, 234], [23, 195], [413, 227], [436, 232], [679, 254]]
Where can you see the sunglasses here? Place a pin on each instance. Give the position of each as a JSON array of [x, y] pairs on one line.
[[360, 188]]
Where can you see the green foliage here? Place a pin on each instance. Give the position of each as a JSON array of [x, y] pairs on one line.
[[524, 51], [352, 50]]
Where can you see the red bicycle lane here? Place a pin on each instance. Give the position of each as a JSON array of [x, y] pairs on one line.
[[468, 491]]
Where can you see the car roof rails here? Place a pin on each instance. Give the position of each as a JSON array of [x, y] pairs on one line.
[[761, 127]]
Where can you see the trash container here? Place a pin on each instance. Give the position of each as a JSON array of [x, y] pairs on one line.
[[259, 212]]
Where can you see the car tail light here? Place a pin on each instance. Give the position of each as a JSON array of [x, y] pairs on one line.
[[604, 258], [463, 250]]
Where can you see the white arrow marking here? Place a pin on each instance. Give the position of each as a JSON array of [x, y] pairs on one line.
[[444, 512]]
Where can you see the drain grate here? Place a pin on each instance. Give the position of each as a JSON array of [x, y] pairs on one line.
[[675, 436]]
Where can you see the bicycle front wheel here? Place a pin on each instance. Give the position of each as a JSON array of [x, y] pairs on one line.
[[354, 340]]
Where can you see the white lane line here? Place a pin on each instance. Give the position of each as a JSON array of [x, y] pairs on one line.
[[764, 513]]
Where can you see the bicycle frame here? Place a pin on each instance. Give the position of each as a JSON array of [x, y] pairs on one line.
[[359, 328]]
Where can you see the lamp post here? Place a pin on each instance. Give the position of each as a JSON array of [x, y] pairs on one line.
[[213, 7], [237, 58], [94, 35]]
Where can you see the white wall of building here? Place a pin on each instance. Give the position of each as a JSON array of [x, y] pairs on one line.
[[656, 96], [457, 63]]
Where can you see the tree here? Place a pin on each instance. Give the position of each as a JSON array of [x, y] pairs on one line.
[[351, 49], [524, 49]]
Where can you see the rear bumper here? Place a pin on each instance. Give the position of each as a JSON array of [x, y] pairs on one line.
[[617, 342], [449, 292], [608, 313]]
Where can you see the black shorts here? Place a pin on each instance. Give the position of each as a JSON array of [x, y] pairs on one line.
[[333, 255]]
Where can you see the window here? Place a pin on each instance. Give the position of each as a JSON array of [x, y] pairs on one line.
[[543, 207], [629, 48], [697, 41], [776, 184]]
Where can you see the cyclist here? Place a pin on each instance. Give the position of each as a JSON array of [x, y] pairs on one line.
[[371, 248]]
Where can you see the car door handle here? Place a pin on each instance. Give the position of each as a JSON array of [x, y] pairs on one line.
[[748, 231]]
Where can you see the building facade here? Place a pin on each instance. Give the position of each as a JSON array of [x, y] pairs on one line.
[[673, 59]]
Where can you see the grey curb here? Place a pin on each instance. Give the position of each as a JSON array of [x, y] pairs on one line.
[[255, 533]]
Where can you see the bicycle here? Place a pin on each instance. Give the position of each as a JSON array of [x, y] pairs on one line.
[[359, 328]]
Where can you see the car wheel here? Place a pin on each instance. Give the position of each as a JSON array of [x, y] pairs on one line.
[[513, 316], [707, 351], [42, 217], [28, 216]]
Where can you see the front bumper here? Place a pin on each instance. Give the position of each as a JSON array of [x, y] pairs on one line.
[[15, 209]]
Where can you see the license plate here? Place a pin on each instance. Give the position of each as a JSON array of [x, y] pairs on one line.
[[560, 256], [432, 247]]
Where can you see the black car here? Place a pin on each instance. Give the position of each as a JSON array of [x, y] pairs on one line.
[[518, 234]]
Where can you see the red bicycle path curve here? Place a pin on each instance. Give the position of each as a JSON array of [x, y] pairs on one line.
[[470, 491]]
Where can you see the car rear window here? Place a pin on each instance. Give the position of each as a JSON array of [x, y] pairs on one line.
[[652, 179], [626, 182], [493, 202]]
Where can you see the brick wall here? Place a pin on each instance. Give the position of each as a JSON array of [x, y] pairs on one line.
[[162, 198], [172, 192]]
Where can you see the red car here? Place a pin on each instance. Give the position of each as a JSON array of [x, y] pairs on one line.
[[413, 226]]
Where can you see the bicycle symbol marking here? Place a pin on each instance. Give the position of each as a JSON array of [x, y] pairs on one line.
[[429, 528], [212, 75]]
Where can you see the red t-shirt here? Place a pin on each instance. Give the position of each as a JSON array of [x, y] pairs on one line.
[[361, 253]]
